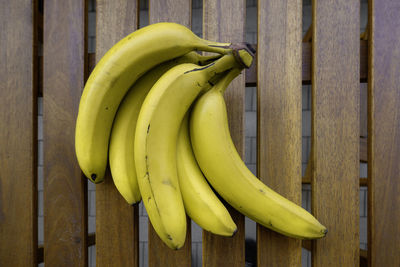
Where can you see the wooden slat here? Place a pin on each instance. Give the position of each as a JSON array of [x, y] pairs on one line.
[[251, 77], [117, 223], [384, 134], [161, 255], [307, 244], [64, 188], [178, 11], [335, 130], [224, 21], [251, 73], [279, 118], [307, 62], [91, 241], [18, 134]]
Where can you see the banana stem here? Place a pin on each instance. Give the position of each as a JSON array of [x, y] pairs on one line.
[[224, 82], [217, 69], [224, 63], [216, 47], [219, 66]]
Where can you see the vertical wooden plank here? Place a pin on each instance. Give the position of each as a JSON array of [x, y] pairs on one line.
[[64, 188], [384, 134], [224, 21], [161, 255], [18, 134], [279, 118], [335, 130], [117, 223], [178, 11]]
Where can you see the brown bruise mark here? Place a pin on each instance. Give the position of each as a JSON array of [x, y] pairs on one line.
[[168, 182], [147, 174]]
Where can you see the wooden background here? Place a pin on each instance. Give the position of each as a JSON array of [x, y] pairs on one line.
[[331, 58]]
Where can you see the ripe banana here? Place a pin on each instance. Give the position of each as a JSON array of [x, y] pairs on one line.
[[122, 163], [229, 176], [201, 204], [119, 68], [155, 144]]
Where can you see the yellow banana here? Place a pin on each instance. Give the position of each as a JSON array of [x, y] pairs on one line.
[[122, 164], [229, 176], [201, 204], [119, 68], [155, 144]]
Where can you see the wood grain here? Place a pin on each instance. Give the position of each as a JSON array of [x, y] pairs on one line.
[[307, 62], [251, 77], [384, 134], [335, 130], [64, 187], [117, 223], [161, 255], [18, 133], [279, 118], [178, 11], [224, 21]]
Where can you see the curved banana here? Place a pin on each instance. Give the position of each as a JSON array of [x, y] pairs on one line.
[[155, 144], [229, 176], [119, 68], [201, 204], [122, 163]]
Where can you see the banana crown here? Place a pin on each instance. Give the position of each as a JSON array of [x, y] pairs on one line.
[[112, 77]]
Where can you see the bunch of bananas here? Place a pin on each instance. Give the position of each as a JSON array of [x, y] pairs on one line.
[[154, 109]]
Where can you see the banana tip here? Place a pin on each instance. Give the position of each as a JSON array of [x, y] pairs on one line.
[[177, 247], [234, 232], [95, 179], [325, 231]]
